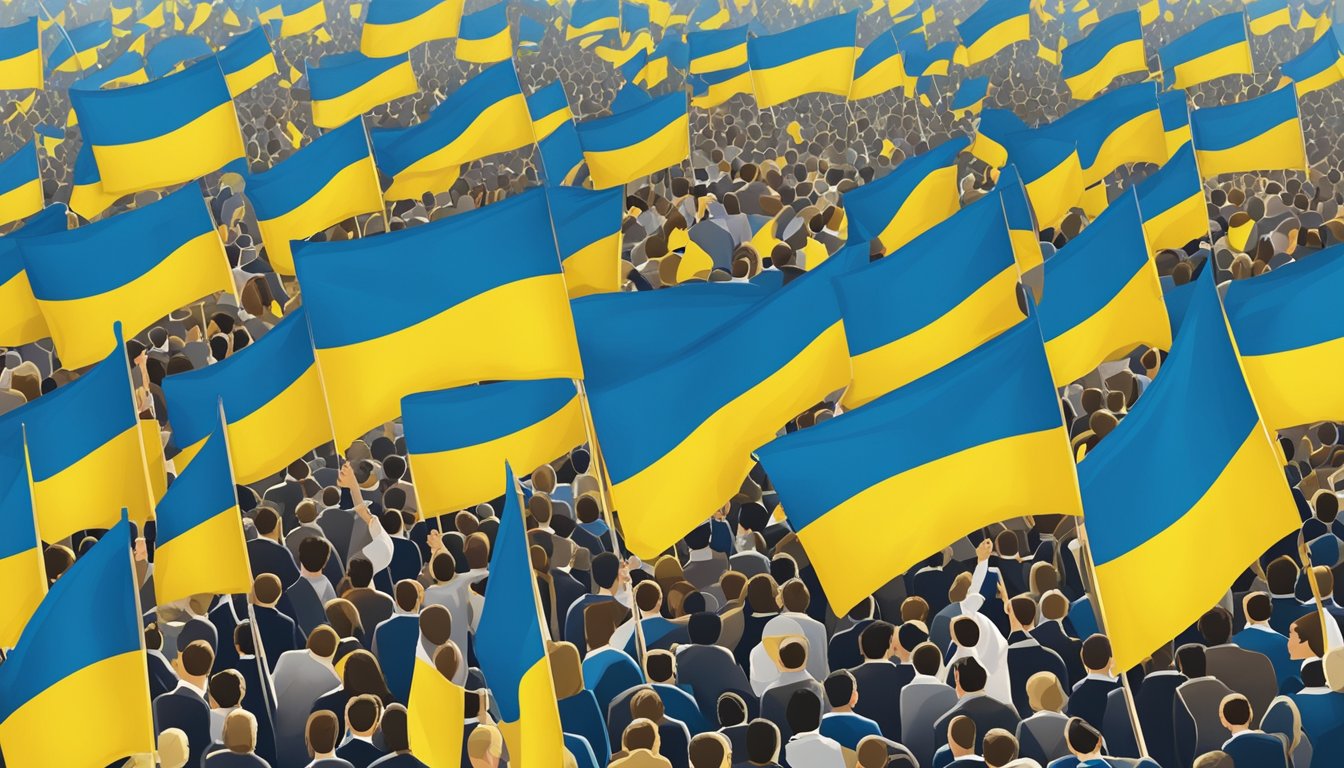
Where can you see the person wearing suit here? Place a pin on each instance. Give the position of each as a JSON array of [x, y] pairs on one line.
[[1051, 633], [256, 698], [374, 606], [228, 611], [1249, 746], [240, 742], [361, 721], [579, 712], [279, 633], [1281, 576], [1026, 656], [1248, 673], [879, 680], [704, 566], [709, 670], [406, 561], [609, 577], [1195, 712], [1260, 637], [660, 632], [322, 733], [1041, 737], [300, 679], [794, 677], [923, 702], [162, 678], [395, 640], [397, 741], [266, 553], [607, 671], [960, 751], [185, 706], [308, 595], [931, 581], [807, 746], [1085, 747], [1088, 699], [842, 651], [841, 723], [985, 711]]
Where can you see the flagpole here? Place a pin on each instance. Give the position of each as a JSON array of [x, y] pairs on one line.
[[139, 435], [140, 633]]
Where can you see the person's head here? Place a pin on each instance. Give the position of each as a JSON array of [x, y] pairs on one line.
[[803, 711], [363, 675], [1084, 741], [703, 628], [361, 714], [606, 571], [1096, 653], [640, 734], [1054, 606], [795, 596], [762, 742], [646, 703], [266, 590], [409, 593], [1022, 610], [1305, 638], [313, 555], [485, 746], [1281, 576], [965, 631], [762, 594], [908, 637], [999, 748], [227, 689], [195, 661], [793, 654], [649, 597], [322, 642], [1044, 693], [343, 617], [174, 750], [359, 571], [395, 736], [1214, 759], [1257, 607], [322, 733], [841, 691], [961, 585], [961, 736], [240, 732], [926, 659], [914, 608], [1234, 712], [1190, 660], [267, 523], [660, 666], [436, 624], [875, 641], [731, 709], [1215, 626], [710, 750], [442, 567], [871, 752], [566, 669], [969, 675]]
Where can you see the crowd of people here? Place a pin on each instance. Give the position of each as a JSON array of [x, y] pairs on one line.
[[723, 652]]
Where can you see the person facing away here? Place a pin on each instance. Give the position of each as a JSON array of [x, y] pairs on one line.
[[240, 743], [807, 747], [1085, 747], [986, 711], [397, 741], [924, 701], [960, 750], [310, 592], [1041, 737], [794, 677], [710, 750], [640, 747], [1249, 746], [762, 745], [842, 724], [301, 677], [1088, 699], [185, 706], [361, 721]]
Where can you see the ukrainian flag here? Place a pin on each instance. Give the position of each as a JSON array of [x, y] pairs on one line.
[[1113, 49], [300, 16], [898, 207], [346, 85], [63, 679], [994, 128], [710, 14], [923, 61], [1219, 507], [20, 184], [168, 255], [1022, 230], [1213, 49], [634, 144], [1261, 134], [87, 196], [588, 17], [549, 108], [717, 50], [434, 700], [85, 454], [995, 26], [561, 155], [670, 54], [199, 546], [817, 57], [163, 132], [1123, 126], [714, 88], [895, 468], [1102, 295], [511, 646], [878, 69], [1289, 342], [21, 56], [457, 438], [484, 37], [1175, 120], [486, 115], [171, 54], [126, 69], [433, 291], [22, 321], [620, 55], [970, 97], [22, 571], [1265, 16], [326, 182], [1172, 202], [588, 232], [530, 34], [1051, 173], [78, 48], [1320, 66], [394, 27], [273, 402], [723, 396], [925, 305], [246, 60]]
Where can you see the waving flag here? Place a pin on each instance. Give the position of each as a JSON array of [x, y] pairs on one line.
[[437, 293], [58, 678], [20, 184], [1123, 126], [817, 57], [1220, 506], [78, 48], [169, 255], [300, 16], [715, 88], [588, 232], [1320, 66], [1261, 134], [126, 69], [21, 56], [22, 322], [393, 27], [87, 196], [994, 26], [995, 126], [1213, 49], [1172, 202], [246, 60], [1051, 173], [970, 97], [921, 192], [1175, 120], [163, 132], [636, 143], [878, 69], [1021, 223], [717, 50], [22, 571], [587, 17], [484, 37], [548, 107], [894, 467], [346, 85], [1265, 16], [172, 54], [1112, 49]]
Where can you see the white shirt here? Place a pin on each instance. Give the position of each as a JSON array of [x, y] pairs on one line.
[[814, 751], [992, 649]]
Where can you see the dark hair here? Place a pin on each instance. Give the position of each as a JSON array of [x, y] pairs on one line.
[[323, 641], [910, 635], [927, 659], [961, 731], [313, 554], [1190, 660], [731, 709], [1216, 626], [322, 732], [242, 637], [659, 666], [442, 566], [606, 568], [792, 654], [965, 631], [408, 593], [1082, 738], [704, 628], [361, 713], [395, 737], [762, 741], [265, 520], [707, 751], [1096, 652], [999, 748], [875, 639], [226, 688], [804, 711], [1024, 609], [1281, 575], [197, 658], [1236, 709], [839, 688], [360, 571], [969, 674]]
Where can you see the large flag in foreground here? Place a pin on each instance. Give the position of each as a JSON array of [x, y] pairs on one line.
[[23, 575], [1214, 508], [22, 321], [635, 143], [1262, 134], [918, 194]]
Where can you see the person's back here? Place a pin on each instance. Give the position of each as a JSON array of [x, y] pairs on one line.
[[807, 747], [795, 679], [1197, 728], [985, 711], [1041, 737], [240, 743], [923, 702], [640, 747], [185, 707], [762, 746], [301, 677]]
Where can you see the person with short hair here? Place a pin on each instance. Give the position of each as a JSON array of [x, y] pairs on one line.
[[879, 680], [794, 677], [1195, 711], [301, 677], [807, 746], [1215, 759], [1001, 750], [842, 724], [923, 702], [762, 745], [1260, 637], [1088, 698], [976, 636], [240, 743], [395, 639], [640, 747], [396, 740], [485, 747], [185, 706], [1249, 746], [961, 736], [1026, 656], [1085, 745], [173, 748], [1041, 737], [985, 711], [710, 750], [311, 591], [362, 714]]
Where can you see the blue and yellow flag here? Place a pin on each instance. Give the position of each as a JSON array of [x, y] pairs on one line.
[[1262, 134], [1215, 48], [709, 14], [126, 69], [992, 132], [1289, 342], [817, 57], [530, 33], [433, 291], [78, 48], [896, 467], [22, 321], [926, 304], [588, 17], [199, 546], [994, 26], [21, 56], [434, 700], [511, 645], [588, 232], [163, 132], [273, 403], [300, 16], [717, 50], [1051, 172], [631, 145], [969, 98], [714, 88], [1172, 202], [548, 107], [1102, 296], [394, 27], [456, 439], [1175, 120], [1112, 49], [669, 55], [87, 196], [169, 255], [484, 37], [1265, 16], [921, 60], [1123, 126], [1320, 66], [326, 182], [20, 184], [486, 115], [22, 571], [561, 155], [898, 207], [628, 97], [62, 676], [1022, 229], [1216, 509], [878, 68], [346, 85], [246, 60], [723, 396], [172, 54], [85, 452]]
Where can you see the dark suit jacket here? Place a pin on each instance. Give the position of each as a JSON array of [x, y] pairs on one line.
[[360, 754], [307, 608], [162, 678], [394, 643], [879, 685], [709, 671], [843, 650], [987, 713], [278, 633], [1155, 700], [406, 563], [268, 556], [1257, 749], [1198, 729], [775, 704], [1088, 700], [373, 606], [580, 714], [1027, 657], [227, 759], [225, 616], [1249, 673], [184, 708], [255, 701], [1051, 634]]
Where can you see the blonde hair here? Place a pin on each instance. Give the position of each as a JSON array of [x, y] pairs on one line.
[[1044, 692], [173, 748], [484, 742], [240, 731]]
